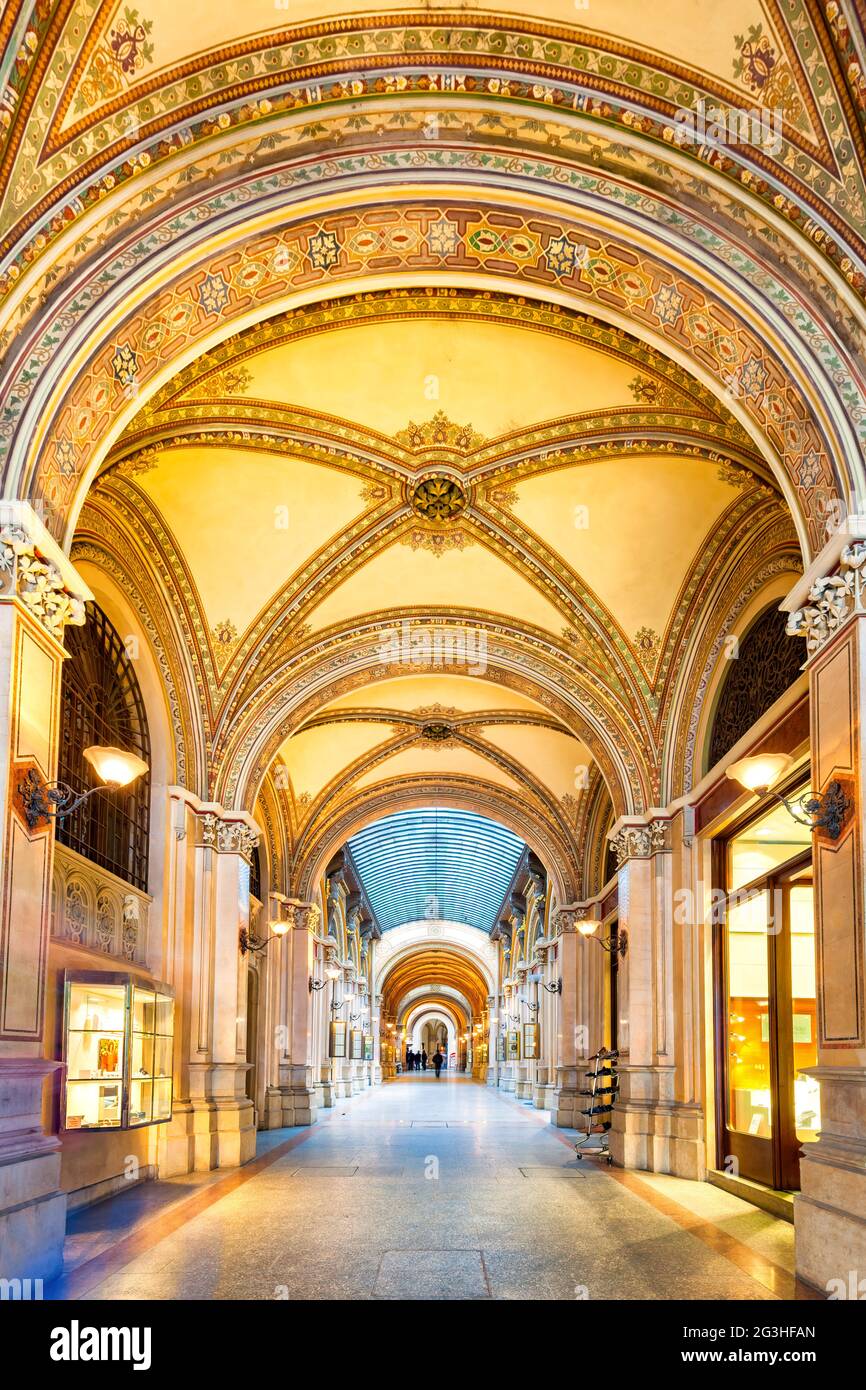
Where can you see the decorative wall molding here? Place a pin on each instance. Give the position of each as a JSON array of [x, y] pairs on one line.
[[95, 909]]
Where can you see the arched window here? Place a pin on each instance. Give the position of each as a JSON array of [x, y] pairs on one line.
[[768, 662], [101, 703]]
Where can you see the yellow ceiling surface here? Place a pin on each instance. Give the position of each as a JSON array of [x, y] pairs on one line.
[[383, 375], [688, 30], [629, 529], [469, 578], [446, 762], [246, 521], [468, 693]]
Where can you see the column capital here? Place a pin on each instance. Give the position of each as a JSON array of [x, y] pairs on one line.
[[641, 840], [303, 916], [226, 835], [35, 571], [834, 598], [568, 916], [227, 832]]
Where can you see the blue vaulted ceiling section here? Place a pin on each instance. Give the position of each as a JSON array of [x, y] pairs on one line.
[[436, 864]]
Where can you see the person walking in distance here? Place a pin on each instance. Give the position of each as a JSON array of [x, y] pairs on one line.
[[438, 1059], [423, 1059]]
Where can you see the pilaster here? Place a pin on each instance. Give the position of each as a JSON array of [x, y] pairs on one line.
[[299, 1100], [570, 1032], [653, 1127], [40, 594], [830, 1210], [215, 1127]]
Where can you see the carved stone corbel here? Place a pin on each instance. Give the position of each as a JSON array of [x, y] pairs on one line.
[[834, 600], [29, 574]]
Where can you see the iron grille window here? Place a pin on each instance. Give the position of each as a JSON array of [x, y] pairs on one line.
[[101, 703], [768, 662]]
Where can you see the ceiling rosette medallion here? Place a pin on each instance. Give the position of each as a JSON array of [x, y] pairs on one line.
[[438, 499]]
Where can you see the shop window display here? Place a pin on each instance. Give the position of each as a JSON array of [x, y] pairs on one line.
[[118, 1045]]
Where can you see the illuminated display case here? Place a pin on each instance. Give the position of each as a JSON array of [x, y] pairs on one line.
[[118, 1040]]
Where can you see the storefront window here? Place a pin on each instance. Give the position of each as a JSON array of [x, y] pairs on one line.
[[95, 1056], [767, 1003], [750, 1109], [150, 1071], [118, 1045], [805, 1022], [765, 844]]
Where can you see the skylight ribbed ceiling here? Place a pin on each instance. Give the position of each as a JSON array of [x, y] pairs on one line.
[[436, 863]]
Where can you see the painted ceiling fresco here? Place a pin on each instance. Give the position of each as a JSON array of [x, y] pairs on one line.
[[344, 339]]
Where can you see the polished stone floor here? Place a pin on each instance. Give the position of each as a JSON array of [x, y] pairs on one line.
[[421, 1189]]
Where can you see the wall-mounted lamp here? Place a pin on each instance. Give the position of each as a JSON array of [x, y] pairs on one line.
[[553, 989], [248, 942], [41, 800], [616, 943], [827, 811], [332, 972]]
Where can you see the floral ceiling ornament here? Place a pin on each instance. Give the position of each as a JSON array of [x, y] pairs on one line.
[[440, 433], [439, 498], [736, 476], [766, 74], [116, 58], [224, 636], [436, 541], [648, 646]]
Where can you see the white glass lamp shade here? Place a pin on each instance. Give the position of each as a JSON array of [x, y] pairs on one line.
[[589, 927], [115, 766], [760, 772], [279, 926], [332, 971]]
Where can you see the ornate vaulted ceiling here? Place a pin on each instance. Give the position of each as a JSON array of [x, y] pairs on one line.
[[334, 333], [407, 466]]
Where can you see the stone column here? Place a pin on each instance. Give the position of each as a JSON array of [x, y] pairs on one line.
[[543, 1087], [657, 1122], [221, 1115], [297, 1080], [571, 1028], [492, 1041], [641, 1123], [40, 593], [377, 1022], [829, 610]]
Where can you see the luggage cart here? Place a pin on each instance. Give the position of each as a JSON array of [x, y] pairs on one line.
[[597, 1129]]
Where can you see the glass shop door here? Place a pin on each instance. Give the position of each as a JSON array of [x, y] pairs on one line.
[[766, 1005]]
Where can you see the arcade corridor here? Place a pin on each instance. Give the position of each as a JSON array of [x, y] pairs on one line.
[[354, 1208]]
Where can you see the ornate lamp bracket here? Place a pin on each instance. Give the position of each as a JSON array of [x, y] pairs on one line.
[[827, 811]]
